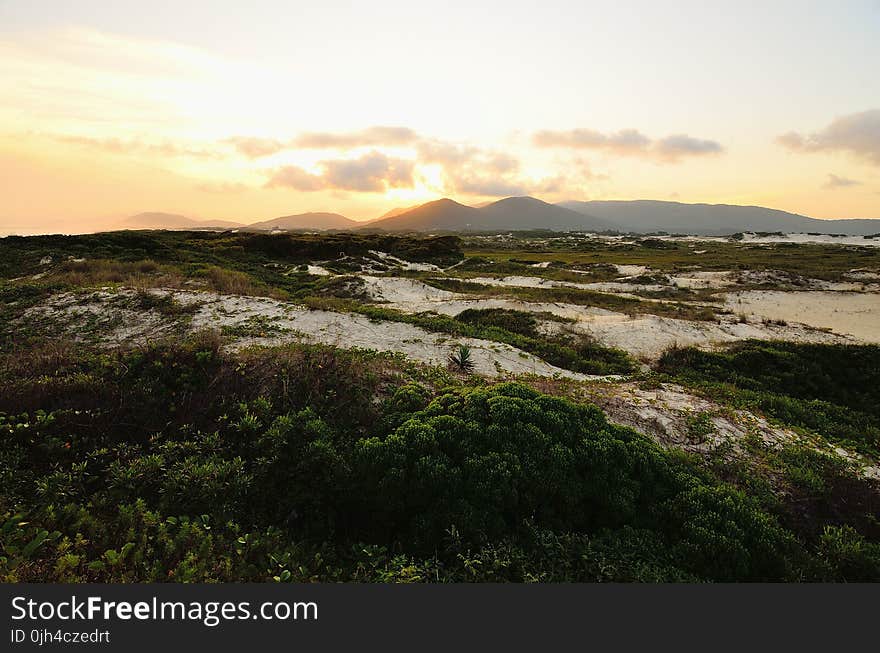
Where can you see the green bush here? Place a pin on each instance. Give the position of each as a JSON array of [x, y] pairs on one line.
[[833, 390], [182, 463]]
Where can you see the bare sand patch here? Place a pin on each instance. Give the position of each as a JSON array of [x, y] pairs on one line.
[[667, 413], [704, 279], [849, 313], [631, 270], [819, 239], [405, 265], [286, 322], [616, 287], [644, 336], [648, 336]]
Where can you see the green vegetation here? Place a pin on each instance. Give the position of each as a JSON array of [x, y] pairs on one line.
[[578, 296], [461, 360], [832, 390], [574, 352], [808, 260], [178, 462], [255, 264]]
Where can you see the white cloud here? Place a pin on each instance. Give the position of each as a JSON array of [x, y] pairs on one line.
[[857, 134], [373, 172], [629, 142], [835, 181]]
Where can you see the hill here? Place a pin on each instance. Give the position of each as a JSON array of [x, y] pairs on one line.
[[158, 220], [648, 216], [532, 213], [396, 211], [318, 220], [444, 214], [509, 213]]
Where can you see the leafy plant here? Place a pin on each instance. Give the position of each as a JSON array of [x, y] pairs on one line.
[[461, 359]]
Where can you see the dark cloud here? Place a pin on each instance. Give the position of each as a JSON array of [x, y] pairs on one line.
[[839, 182], [628, 142], [857, 134], [374, 172]]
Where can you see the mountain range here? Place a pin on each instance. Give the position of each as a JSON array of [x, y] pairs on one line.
[[156, 220], [522, 213], [318, 220]]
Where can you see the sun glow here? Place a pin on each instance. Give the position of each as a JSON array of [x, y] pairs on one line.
[[185, 122]]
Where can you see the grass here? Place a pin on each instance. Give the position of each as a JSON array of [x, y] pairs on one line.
[[580, 297], [179, 462], [814, 261], [831, 390], [575, 352]]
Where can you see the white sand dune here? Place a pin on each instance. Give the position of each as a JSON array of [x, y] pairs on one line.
[[849, 313], [287, 322]]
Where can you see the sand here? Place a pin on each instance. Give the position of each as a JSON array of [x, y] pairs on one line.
[[849, 313], [645, 336], [286, 322]]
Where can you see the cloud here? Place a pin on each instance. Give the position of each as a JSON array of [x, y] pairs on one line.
[[373, 172], [371, 136], [380, 136], [839, 182], [119, 146], [857, 134], [470, 170], [626, 141], [489, 187], [296, 178], [253, 147], [680, 145], [629, 142]]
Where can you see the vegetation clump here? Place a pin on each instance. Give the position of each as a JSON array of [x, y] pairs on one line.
[[832, 390], [461, 360], [177, 462]]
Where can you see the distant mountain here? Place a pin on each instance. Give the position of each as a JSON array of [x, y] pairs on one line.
[[156, 220], [397, 211], [445, 214], [305, 221], [647, 216], [531, 213], [510, 213]]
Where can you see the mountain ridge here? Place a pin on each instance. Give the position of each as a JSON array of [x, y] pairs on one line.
[[311, 220], [508, 213], [528, 213], [650, 216]]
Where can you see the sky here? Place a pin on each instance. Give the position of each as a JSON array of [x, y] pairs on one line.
[[248, 111]]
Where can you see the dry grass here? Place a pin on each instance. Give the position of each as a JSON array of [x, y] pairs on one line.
[[145, 274], [136, 274], [233, 282]]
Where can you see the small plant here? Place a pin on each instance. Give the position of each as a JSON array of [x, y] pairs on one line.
[[460, 359], [700, 426]]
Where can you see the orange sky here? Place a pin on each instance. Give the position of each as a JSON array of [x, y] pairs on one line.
[[104, 114]]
